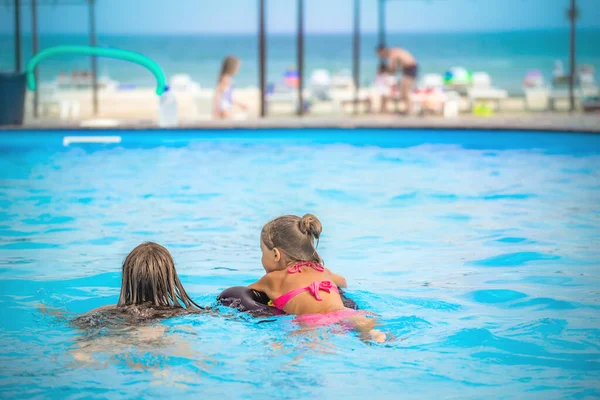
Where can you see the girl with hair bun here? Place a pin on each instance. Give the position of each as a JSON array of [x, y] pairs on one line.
[[298, 282]]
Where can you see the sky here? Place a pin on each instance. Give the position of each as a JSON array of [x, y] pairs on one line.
[[240, 16]]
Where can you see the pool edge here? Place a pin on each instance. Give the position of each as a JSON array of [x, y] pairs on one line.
[[540, 123]]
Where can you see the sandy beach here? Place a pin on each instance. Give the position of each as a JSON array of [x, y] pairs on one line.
[[143, 104]]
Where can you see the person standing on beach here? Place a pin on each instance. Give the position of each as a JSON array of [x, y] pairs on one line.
[[398, 57], [223, 100]]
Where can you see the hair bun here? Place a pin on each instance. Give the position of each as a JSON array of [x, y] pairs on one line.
[[310, 224]]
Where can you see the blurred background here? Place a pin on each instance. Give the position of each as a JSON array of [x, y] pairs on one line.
[[519, 48]]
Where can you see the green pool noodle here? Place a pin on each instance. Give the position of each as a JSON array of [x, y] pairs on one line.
[[125, 55]]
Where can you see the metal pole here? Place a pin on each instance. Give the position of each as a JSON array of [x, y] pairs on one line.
[[381, 22], [356, 53], [300, 50], [17, 36], [34, 50], [94, 60], [572, 74], [262, 56]]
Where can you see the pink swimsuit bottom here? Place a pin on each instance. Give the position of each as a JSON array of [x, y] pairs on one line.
[[314, 320]]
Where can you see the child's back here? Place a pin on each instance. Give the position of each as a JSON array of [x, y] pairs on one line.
[[315, 282]]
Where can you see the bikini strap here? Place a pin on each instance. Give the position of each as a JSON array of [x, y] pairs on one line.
[[298, 267], [326, 286], [313, 288]]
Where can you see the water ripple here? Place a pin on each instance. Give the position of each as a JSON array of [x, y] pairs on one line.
[[479, 260], [514, 259]]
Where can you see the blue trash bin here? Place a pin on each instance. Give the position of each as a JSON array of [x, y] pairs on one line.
[[12, 98]]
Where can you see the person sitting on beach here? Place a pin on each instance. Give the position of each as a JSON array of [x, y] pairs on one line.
[[397, 57], [150, 289], [223, 100], [384, 85], [298, 282]]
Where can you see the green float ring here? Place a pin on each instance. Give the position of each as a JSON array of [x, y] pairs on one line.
[[125, 55]]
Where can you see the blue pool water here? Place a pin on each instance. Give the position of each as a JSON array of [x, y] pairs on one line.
[[478, 250]]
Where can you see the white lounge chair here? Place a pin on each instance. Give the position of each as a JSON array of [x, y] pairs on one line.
[[458, 79], [585, 87], [49, 99], [319, 91], [536, 98], [559, 76], [203, 100], [282, 94], [183, 83], [342, 80], [343, 92], [431, 96], [320, 84], [433, 81], [587, 81], [482, 90], [590, 101], [536, 91]]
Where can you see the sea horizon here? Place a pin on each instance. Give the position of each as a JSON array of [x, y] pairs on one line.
[[309, 33], [505, 55]]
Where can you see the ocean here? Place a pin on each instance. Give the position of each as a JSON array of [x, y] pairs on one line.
[[506, 56]]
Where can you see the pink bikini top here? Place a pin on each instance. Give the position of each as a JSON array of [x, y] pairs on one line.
[[313, 288]]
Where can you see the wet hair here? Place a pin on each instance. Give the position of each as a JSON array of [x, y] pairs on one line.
[[294, 236], [149, 276], [380, 48], [229, 65]]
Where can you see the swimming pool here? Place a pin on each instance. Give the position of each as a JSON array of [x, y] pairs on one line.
[[479, 250]]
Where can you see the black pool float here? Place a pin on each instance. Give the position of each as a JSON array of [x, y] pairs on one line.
[[249, 300]]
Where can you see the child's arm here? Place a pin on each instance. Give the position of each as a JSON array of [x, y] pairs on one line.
[[339, 280]]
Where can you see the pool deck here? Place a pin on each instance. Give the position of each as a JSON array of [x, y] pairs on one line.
[[559, 122]]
